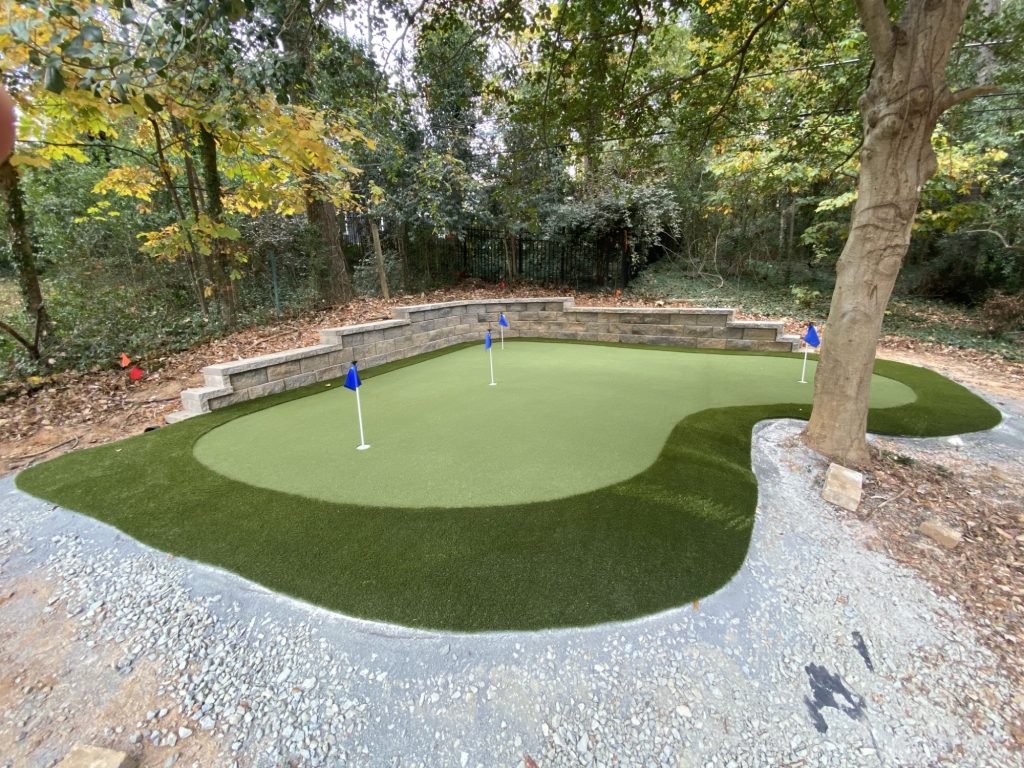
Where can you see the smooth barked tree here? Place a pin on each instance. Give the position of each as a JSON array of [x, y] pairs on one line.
[[906, 95]]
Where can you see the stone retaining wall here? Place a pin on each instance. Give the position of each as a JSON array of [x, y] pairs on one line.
[[429, 327]]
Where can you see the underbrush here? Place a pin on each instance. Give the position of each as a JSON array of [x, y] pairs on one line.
[[994, 327]]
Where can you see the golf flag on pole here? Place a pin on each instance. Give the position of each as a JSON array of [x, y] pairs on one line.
[[490, 354], [502, 325], [810, 339], [352, 382]]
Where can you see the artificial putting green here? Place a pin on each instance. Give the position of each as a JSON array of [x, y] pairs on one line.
[[484, 507], [565, 419]]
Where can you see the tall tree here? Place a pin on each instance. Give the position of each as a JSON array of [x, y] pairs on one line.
[[905, 97], [448, 69], [302, 32], [24, 260]]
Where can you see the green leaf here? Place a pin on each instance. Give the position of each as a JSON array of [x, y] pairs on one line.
[[157, 62], [75, 46], [91, 33], [152, 103], [128, 16], [233, 9], [19, 30], [226, 231], [53, 80]]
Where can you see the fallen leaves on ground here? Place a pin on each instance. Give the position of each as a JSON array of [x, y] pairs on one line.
[[985, 571], [75, 410]]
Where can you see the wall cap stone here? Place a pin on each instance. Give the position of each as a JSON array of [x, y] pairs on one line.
[[656, 310], [273, 358], [568, 301], [377, 325], [842, 486], [83, 756], [771, 325]]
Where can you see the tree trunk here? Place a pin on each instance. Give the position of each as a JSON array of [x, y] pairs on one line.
[[215, 210], [401, 239], [378, 255], [24, 255], [192, 257], [299, 35], [323, 217], [900, 108]]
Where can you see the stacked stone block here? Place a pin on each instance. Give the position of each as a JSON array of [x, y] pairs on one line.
[[429, 327]]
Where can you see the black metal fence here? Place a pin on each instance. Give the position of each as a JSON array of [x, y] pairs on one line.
[[493, 255], [294, 275]]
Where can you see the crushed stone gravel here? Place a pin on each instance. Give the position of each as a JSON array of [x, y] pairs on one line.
[[820, 652]]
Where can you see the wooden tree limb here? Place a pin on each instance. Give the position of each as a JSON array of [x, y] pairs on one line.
[[738, 53], [741, 65], [951, 99], [410, 19], [878, 26], [13, 333], [32, 347], [88, 145], [1000, 236]]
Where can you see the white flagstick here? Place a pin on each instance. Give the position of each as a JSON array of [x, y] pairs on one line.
[[490, 355], [501, 329], [803, 373], [359, 410]]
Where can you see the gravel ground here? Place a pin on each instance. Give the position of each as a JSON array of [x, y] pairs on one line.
[[820, 652]]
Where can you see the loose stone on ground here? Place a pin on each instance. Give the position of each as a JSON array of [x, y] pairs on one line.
[[240, 676]]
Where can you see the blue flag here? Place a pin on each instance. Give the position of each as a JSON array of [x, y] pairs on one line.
[[811, 337], [502, 321], [352, 380], [487, 340]]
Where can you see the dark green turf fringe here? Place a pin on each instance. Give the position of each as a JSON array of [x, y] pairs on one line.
[[669, 535]]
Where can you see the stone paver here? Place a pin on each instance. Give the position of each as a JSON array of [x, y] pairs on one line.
[[96, 757]]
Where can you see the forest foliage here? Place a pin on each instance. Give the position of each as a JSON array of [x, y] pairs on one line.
[[186, 166]]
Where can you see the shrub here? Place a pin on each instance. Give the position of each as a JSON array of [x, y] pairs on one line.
[[805, 298], [1003, 313]]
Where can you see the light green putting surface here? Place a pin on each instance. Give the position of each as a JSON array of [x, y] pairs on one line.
[[564, 419]]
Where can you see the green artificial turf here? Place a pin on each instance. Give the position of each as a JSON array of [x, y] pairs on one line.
[[673, 532], [565, 419]]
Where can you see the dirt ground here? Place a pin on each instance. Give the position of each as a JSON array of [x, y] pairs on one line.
[[56, 690]]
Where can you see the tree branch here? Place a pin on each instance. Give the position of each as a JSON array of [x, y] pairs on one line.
[[18, 337], [90, 145], [740, 53], [1002, 238], [738, 74], [878, 26], [845, 160], [951, 99], [410, 18], [32, 347]]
